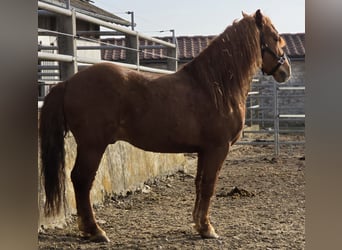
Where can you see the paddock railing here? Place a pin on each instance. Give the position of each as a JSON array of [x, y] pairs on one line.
[[70, 50], [276, 114]]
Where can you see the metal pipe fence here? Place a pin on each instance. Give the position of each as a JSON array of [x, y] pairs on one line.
[[278, 114], [66, 53]]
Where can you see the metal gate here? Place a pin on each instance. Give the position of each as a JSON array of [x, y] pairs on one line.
[[274, 112]]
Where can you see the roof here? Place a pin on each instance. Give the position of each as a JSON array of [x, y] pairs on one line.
[[190, 46], [98, 12], [84, 6], [295, 45]]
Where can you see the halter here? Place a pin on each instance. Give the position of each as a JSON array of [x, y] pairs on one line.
[[264, 48]]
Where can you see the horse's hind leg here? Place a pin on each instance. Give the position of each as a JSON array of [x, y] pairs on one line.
[[82, 176], [208, 168]]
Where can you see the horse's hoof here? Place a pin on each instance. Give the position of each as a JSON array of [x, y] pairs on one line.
[[209, 233], [99, 238]]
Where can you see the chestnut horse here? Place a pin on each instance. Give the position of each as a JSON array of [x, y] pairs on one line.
[[200, 108]]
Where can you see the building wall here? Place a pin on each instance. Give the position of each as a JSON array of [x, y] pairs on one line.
[[47, 22]]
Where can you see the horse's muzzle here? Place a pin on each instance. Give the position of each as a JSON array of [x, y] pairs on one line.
[[283, 73]]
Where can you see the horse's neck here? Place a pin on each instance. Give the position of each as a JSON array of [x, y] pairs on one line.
[[216, 66]]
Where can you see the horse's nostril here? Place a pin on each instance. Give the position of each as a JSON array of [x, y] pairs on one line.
[[283, 74]]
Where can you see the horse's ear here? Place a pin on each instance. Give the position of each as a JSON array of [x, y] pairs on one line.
[[244, 14], [258, 18]]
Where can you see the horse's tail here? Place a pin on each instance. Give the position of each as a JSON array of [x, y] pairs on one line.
[[52, 130]]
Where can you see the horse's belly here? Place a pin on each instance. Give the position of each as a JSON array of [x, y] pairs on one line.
[[159, 136], [165, 147]]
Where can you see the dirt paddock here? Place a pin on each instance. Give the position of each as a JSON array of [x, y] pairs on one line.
[[259, 204]]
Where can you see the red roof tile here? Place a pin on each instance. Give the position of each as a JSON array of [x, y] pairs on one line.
[[191, 46]]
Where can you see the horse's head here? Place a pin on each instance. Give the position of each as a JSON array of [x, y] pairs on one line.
[[274, 60]]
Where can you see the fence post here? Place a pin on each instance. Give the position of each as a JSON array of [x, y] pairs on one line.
[[172, 63], [132, 55], [276, 119], [67, 44]]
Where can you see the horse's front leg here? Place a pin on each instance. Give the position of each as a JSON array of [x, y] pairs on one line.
[[208, 168], [82, 176]]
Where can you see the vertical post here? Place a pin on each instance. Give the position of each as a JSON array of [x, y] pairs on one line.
[[67, 44], [41, 90], [172, 63], [262, 110], [276, 119], [132, 55], [132, 18], [251, 109]]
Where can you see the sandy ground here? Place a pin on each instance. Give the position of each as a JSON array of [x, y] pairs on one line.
[[259, 204]]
